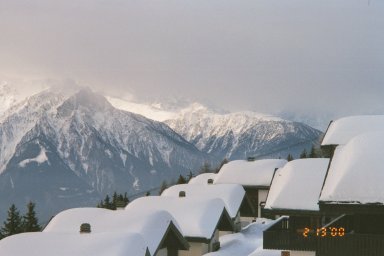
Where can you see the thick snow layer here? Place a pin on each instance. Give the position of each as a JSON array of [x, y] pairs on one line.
[[202, 178], [151, 225], [342, 130], [231, 194], [356, 171], [247, 242], [48, 244], [197, 217], [297, 185], [249, 173]]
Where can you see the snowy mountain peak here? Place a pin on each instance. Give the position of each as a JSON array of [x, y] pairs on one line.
[[84, 99]]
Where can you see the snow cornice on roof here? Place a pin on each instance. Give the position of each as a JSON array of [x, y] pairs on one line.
[[340, 131], [205, 213], [355, 174], [296, 186], [231, 194], [153, 225], [202, 178], [64, 244], [256, 174]]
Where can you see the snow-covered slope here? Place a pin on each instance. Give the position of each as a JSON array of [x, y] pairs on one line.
[[11, 95], [21, 118], [152, 111], [242, 134], [68, 150]]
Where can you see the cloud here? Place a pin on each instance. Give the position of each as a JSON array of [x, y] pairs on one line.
[[265, 55]]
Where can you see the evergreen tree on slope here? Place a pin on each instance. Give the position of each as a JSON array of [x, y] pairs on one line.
[[30, 221], [13, 225]]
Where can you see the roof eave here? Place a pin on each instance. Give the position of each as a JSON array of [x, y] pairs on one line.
[[328, 207], [256, 187], [292, 212]]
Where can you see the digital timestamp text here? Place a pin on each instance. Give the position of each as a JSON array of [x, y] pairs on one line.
[[324, 232]]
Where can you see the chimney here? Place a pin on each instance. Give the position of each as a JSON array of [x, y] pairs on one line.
[[85, 228], [251, 158], [210, 181], [182, 194]]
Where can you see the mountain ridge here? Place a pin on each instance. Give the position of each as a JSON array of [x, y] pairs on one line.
[[242, 134], [98, 147]]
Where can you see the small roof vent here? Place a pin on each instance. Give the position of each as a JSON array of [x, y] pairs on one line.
[[182, 194], [85, 228]]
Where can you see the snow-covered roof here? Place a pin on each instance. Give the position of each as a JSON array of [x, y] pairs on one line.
[[202, 178], [356, 172], [152, 225], [59, 244], [231, 194], [342, 130], [249, 173], [197, 217], [297, 185]]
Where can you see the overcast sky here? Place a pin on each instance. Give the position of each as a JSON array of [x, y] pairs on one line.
[[266, 55]]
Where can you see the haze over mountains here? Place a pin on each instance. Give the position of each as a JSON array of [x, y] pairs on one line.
[[69, 148]]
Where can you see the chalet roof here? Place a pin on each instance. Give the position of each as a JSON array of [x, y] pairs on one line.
[[152, 226], [202, 178], [249, 173], [231, 194], [61, 244], [197, 217], [342, 130], [356, 173], [297, 185]]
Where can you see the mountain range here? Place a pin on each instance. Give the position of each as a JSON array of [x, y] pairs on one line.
[[240, 135], [230, 135], [64, 149], [68, 148]]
